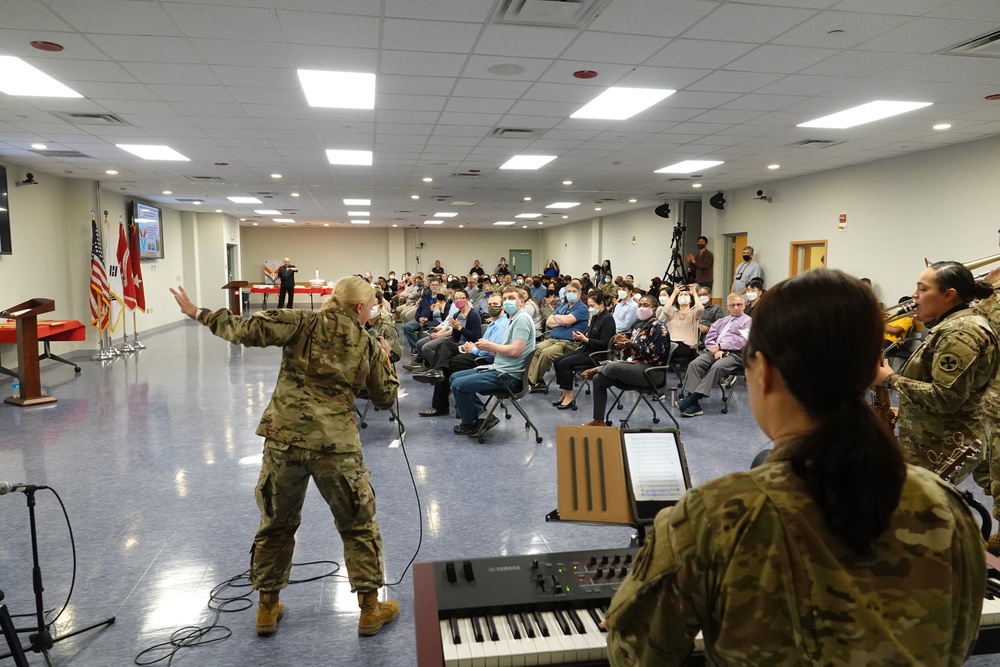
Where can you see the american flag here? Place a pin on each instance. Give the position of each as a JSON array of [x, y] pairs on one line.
[[100, 301]]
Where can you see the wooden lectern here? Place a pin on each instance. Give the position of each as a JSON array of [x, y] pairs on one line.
[[235, 301], [26, 315]]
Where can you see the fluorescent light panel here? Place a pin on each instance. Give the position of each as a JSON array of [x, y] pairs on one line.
[[688, 166], [359, 214], [244, 200], [621, 103], [149, 152], [528, 215], [504, 223], [446, 214], [527, 161], [866, 113], [19, 78], [267, 211], [340, 90], [357, 202], [433, 222], [283, 219], [362, 158], [360, 222], [563, 204]]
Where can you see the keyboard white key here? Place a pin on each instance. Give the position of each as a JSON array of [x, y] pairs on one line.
[[991, 612], [478, 655], [597, 641], [449, 648]]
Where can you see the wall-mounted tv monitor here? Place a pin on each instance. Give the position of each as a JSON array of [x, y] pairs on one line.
[[148, 222], [4, 213]]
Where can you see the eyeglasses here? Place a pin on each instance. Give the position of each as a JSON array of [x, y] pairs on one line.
[[735, 305]]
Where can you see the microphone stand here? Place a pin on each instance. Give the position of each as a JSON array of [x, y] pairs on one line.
[[41, 640]]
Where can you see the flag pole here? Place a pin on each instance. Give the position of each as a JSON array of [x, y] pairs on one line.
[[136, 345]]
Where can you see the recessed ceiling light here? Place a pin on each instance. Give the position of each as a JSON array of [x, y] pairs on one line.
[[255, 224], [19, 78], [563, 204], [632, 201], [446, 214], [565, 217], [687, 167], [433, 222], [168, 192], [395, 225], [39, 147], [621, 103], [244, 200], [244, 220], [774, 166], [357, 158], [284, 219], [504, 223], [360, 214], [527, 161], [567, 182], [528, 215], [524, 226], [696, 185], [541, 222], [196, 203], [275, 175], [357, 202], [414, 196], [111, 172], [148, 152], [866, 113], [597, 208], [340, 90], [527, 199], [943, 126], [295, 194], [427, 179], [266, 211], [326, 224], [218, 210], [360, 222]]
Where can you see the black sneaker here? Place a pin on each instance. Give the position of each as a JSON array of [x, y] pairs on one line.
[[490, 423], [467, 429], [429, 377]]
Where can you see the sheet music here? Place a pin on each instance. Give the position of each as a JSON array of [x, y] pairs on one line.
[[655, 466]]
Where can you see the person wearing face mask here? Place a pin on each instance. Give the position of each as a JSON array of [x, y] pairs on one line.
[[713, 312], [596, 339], [380, 324], [505, 371], [723, 355], [538, 290], [625, 310], [746, 271], [702, 265], [568, 318], [649, 345], [310, 430], [460, 324], [682, 322], [608, 287], [755, 289], [604, 269]]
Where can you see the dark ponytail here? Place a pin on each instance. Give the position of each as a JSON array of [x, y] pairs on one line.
[[953, 275], [851, 463]]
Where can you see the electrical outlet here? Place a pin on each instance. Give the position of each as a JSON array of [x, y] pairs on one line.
[[149, 310]]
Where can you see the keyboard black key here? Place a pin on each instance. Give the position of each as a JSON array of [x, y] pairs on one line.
[[575, 620], [542, 627], [477, 630], [456, 636], [515, 631], [597, 619], [561, 620], [492, 629], [529, 629]]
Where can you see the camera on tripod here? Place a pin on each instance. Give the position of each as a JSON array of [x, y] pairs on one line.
[[679, 230]]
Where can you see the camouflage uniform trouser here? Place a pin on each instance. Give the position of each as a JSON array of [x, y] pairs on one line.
[[343, 481]]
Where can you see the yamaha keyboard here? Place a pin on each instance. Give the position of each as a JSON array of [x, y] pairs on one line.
[[540, 609]]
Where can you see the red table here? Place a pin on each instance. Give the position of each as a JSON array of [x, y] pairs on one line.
[[322, 291], [48, 330]]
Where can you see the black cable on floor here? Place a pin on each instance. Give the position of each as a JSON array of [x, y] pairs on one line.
[[416, 494]]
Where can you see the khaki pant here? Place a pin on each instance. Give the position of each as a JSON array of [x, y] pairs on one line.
[[547, 352], [343, 481]]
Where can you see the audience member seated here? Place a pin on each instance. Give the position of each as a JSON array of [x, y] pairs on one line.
[[625, 309], [538, 290], [430, 312], [682, 322], [461, 326], [585, 283], [568, 319], [505, 371], [723, 355], [381, 325], [597, 339], [713, 311], [755, 288], [648, 346], [410, 298], [452, 358], [535, 312]]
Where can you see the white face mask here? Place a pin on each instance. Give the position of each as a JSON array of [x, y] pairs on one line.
[[664, 300], [622, 294], [593, 310], [392, 276], [704, 300], [684, 300], [752, 296], [374, 312]]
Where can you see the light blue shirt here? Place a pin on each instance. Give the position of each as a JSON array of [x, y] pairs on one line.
[[625, 315], [495, 333], [521, 327]]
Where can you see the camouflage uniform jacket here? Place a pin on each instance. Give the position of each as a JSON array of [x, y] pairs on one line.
[[990, 309], [385, 327], [326, 357], [942, 385], [748, 560]]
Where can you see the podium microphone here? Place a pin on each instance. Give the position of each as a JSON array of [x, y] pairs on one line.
[[7, 487]]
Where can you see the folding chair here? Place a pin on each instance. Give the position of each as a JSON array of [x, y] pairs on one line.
[[727, 384], [503, 396], [362, 414], [656, 389], [582, 383]]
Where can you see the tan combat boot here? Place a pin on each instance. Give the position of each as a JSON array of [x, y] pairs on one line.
[[375, 614], [269, 612]]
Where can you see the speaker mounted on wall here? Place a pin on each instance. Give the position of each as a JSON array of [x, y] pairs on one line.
[[718, 201], [663, 210]]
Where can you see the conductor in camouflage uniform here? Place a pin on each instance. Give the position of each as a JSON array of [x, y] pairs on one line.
[[310, 430], [941, 387], [834, 551]]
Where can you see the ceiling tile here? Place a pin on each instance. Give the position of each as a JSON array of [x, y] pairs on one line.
[[475, 11], [325, 29], [746, 23], [312, 56], [438, 36], [243, 53], [741, 82], [785, 59], [698, 53], [599, 47], [479, 105], [116, 17], [478, 67], [652, 17], [253, 24], [523, 41], [852, 28], [857, 63], [421, 63], [922, 35]]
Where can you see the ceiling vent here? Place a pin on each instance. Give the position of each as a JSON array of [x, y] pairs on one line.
[[266, 194], [462, 203], [516, 132], [549, 13], [678, 180], [205, 179], [62, 154], [463, 174], [987, 46], [190, 201], [90, 118], [816, 143]]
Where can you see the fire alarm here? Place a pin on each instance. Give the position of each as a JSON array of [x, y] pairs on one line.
[[585, 74]]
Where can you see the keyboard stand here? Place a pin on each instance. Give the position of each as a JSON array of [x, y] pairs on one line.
[[638, 539]]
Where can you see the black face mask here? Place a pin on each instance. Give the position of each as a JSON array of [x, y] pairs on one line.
[[747, 258], [701, 246]]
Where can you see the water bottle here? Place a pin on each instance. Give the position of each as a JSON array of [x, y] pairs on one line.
[[15, 387]]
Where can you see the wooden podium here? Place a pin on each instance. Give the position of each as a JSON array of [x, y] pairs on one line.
[[26, 315], [234, 288]]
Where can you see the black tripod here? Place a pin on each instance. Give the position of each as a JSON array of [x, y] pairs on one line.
[[676, 273], [40, 639]]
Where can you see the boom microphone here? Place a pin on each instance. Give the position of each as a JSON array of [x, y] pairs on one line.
[[7, 487]]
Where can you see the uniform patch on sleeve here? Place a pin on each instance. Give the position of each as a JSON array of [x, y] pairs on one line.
[[948, 362]]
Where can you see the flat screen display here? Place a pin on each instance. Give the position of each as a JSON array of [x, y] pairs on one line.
[[4, 214], [148, 225], [656, 468]]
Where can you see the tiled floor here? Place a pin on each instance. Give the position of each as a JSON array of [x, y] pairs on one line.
[[156, 459]]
